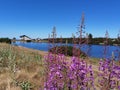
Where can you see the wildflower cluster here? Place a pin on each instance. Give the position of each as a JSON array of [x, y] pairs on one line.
[[55, 69], [109, 75], [80, 75], [63, 75]]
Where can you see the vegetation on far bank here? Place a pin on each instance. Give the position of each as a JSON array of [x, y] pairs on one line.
[[5, 40], [94, 41]]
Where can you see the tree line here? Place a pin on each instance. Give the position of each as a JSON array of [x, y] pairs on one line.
[[5, 40], [91, 40]]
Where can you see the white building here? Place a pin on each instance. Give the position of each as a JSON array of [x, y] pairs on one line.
[[25, 38]]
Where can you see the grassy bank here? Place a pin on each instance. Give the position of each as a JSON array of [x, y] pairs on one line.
[[19, 67]]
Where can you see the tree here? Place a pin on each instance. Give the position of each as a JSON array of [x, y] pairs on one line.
[[90, 37], [14, 38], [118, 37]]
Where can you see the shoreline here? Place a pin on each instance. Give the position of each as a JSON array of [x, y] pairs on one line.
[[45, 52], [31, 50]]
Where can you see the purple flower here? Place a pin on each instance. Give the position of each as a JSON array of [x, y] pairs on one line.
[[118, 87], [73, 74], [109, 73]]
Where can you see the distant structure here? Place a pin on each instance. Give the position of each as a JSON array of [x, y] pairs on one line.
[[25, 38], [38, 40], [13, 40]]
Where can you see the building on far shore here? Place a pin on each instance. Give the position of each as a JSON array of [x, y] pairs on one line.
[[38, 40], [25, 38]]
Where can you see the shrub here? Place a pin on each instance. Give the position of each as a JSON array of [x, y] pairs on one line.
[[67, 50], [5, 40]]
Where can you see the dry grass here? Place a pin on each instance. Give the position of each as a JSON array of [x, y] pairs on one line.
[[18, 64]]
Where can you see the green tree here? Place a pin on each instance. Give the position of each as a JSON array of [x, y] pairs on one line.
[[90, 37]]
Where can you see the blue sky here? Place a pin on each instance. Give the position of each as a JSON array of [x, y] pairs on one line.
[[36, 18]]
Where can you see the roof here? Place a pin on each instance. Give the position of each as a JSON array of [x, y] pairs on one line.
[[24, 36]]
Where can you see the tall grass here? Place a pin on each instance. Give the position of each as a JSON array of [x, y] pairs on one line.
[[19, 66]]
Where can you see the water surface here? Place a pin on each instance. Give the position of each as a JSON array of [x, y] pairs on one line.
[[96, 51]]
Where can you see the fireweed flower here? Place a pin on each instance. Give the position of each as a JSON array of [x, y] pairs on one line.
[[54, 77], [109, 74], [79, 74], [63, 75]]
